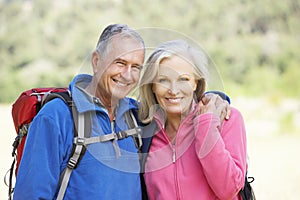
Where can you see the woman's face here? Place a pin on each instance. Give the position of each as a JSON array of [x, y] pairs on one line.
[[174, 85]]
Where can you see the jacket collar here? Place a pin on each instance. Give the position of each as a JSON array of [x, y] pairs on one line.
[[87, 102], [161, 118]]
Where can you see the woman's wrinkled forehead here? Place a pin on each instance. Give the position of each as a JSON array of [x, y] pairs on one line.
[[176, 66]]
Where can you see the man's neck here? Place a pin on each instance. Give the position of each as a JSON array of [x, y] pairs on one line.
[[106, 99], [109, 104]]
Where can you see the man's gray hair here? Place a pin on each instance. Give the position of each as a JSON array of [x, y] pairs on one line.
[[113, 30]]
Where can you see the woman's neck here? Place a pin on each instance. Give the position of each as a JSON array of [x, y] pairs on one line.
[[171, 126]]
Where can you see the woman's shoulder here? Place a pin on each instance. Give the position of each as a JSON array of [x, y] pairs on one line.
[[235, 111], [235, 116]]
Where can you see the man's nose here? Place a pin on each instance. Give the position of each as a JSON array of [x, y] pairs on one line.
[[127, 72]]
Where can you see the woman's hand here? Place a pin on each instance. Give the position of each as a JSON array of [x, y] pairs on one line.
[[213, 103]]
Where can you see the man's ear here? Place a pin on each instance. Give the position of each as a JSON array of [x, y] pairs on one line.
[[95, 60]]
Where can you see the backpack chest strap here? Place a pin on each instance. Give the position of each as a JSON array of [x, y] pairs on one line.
[[109, 137]]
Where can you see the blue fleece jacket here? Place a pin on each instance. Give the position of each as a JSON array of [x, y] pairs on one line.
[[100, 174]]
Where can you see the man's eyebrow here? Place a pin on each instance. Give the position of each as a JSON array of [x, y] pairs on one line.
[[120, 59], [125, 61]]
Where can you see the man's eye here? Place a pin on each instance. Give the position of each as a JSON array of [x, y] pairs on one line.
[[120, 62], [137, 67]]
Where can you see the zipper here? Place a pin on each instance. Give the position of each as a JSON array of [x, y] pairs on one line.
[[177, 190], [112, 125], [173, 154]]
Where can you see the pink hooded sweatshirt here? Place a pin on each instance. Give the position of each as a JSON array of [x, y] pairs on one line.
[[207, 161]]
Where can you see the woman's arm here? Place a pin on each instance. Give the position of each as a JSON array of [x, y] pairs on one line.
[[222, 152]]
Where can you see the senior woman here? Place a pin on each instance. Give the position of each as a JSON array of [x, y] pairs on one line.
[[191, 152]]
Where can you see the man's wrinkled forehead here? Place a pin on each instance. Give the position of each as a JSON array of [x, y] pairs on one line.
[[126, 40], [125, 46]]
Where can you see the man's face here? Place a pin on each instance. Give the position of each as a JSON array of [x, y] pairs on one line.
[[119, 71]]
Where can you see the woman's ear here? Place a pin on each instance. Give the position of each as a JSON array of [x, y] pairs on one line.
[[153, 88], [95, 60], [195, 85], [200, 89]]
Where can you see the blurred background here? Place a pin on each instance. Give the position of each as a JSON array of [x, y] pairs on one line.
[[253, 48]]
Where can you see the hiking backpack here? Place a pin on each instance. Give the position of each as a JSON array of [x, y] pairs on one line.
[[26, 107]]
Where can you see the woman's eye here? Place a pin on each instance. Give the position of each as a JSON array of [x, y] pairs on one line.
[[162, 80], [184, 79]]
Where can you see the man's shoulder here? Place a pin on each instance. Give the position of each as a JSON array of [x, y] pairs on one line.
[[131, 99], [126, 104], [54, 108]]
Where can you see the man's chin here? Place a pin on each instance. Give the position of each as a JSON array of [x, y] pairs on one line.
[[120, 94]]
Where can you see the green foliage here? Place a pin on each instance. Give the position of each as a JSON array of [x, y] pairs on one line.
[[287, 125], [253, 45]]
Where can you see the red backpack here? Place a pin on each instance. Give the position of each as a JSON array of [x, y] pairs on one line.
[[25, 109]]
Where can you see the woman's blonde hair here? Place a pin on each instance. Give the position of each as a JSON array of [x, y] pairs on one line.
[[180, 48]]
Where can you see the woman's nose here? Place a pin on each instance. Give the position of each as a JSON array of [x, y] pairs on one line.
[[174, 88]]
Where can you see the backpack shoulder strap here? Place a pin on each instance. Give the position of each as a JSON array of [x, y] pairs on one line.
[[82, 123], [131, 119], [82, 128], [132, 123], [147, 135], [65, 96]]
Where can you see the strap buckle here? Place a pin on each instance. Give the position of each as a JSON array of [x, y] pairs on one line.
[[79, 141], [24, 130], [72, 163], [121, 135]]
